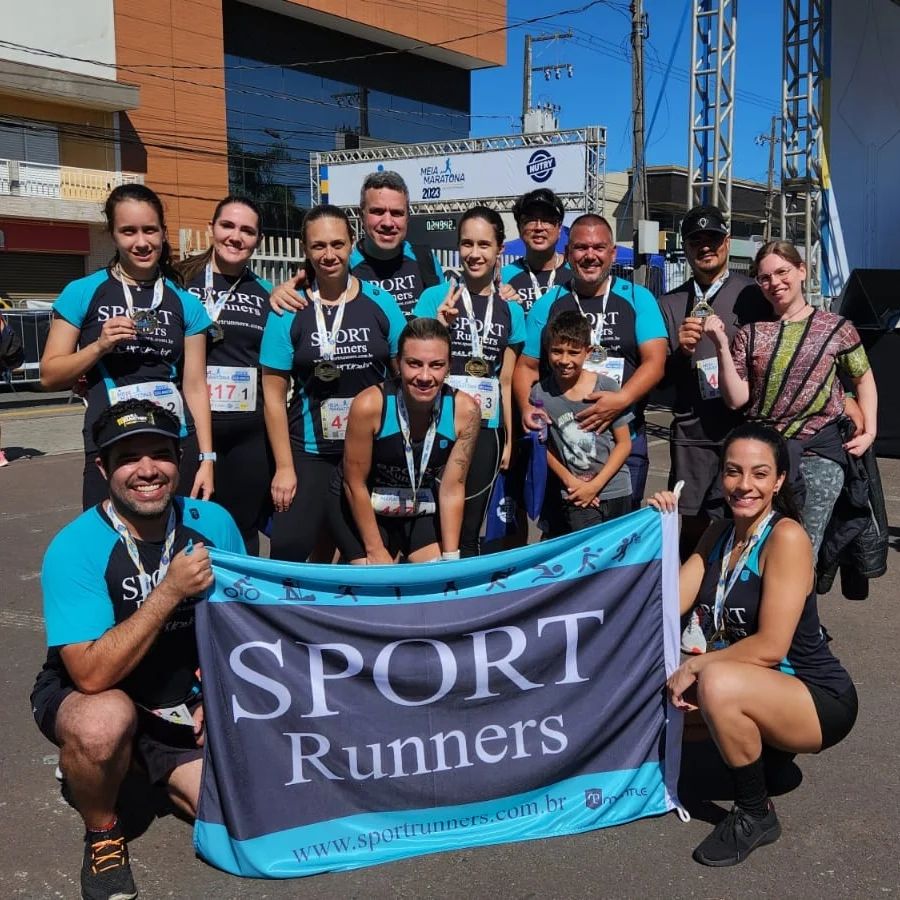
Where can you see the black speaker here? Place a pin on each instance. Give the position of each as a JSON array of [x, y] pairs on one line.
[[871, 298]]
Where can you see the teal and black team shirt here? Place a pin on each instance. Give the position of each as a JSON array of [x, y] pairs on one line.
[[90, 584], [809, 657], [507, 330], [243, 319], [366, 342], [516, 274], [88, 302], [632, 317], [401, 275]]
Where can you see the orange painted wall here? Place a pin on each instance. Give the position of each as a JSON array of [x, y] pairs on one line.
[[177, 136], [431, 21]]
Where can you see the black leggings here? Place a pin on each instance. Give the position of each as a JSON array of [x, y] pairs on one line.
[[243, 473], [94, 488], [296, 532], [479, 482]]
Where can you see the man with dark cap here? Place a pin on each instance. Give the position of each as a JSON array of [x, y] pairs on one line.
[[121, 681], [539, 217], [701, 419]]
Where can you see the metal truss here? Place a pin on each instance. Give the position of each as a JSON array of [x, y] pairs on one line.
[[713, 46], [801, 133], [592, 199]]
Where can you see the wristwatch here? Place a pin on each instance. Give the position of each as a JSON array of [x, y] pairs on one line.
[[207, 457]]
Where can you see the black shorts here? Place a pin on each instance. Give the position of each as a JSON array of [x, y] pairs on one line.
[[403, 535], [159, 747], [836, 712]]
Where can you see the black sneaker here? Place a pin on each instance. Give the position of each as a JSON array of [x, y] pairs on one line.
[[105, 873], [736, 836]]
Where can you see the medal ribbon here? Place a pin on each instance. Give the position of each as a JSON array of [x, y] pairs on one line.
[[427, 445], [158, 287], [726, 583], [132, 548], [477, 342], [329, 338], [214, 307], [596, 333], [706, 296], [538, 293]]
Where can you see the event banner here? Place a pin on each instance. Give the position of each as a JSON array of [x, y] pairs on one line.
[[357, 715], [467, 176]]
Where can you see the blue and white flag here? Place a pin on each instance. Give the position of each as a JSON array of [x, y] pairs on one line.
[[358, 715]]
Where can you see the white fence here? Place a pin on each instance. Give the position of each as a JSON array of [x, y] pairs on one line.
[[276, 259]]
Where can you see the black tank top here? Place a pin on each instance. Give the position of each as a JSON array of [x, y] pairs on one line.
[[388, 457], [809, 657]]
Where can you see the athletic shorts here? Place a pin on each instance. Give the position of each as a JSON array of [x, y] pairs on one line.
[[403, 535], [159, 747], [698, 466], [837, 713]]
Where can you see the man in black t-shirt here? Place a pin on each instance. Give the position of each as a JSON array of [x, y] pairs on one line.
[[121, 679], [701, 419]]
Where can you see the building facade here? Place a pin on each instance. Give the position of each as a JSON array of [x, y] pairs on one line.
[[205, 96]]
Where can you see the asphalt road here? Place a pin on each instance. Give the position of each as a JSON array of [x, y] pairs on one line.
[[840, 835]]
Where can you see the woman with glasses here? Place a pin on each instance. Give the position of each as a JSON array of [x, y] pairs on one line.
[[786, 372]]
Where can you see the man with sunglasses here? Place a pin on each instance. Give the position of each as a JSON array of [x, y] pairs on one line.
[[701, 420], [539, 218]]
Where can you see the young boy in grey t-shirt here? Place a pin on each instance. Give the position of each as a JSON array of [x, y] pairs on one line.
[[596, 484]]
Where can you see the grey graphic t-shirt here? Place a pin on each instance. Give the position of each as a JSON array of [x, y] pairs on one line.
[[584, 453]]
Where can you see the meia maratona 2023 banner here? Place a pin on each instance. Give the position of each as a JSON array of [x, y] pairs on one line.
[[357, 715]]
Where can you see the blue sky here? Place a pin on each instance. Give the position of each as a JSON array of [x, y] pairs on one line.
[[600, 91]]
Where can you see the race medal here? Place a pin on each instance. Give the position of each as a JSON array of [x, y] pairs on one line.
[[145, 321], [598, 355], [701, 310], [477, 367], [327, 371], [216, 333]]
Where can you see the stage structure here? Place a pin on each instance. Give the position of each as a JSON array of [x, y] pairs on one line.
[[451, 176], [711, 110]]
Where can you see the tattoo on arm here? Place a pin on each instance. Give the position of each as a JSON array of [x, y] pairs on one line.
[[466, 439]]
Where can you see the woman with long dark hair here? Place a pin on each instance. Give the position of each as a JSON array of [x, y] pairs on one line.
[[400, 491], [135, 334], [787, 373], [762, 673], [237, 301], [487, 334], [342, 342]]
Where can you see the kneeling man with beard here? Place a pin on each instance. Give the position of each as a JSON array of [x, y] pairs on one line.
[[121, 682]]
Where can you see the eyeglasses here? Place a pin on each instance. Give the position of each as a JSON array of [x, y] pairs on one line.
[[779, 274]]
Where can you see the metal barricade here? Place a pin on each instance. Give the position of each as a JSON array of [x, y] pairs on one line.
[[32, 326]]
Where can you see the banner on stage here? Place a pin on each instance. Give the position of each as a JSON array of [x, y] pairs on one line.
[[358, 715]]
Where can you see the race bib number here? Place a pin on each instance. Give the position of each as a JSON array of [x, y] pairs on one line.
[[174, 715], [162, 393], [335, 412], [403, 502], [708, 373], [485, 392], [612, 367], [231, 388]]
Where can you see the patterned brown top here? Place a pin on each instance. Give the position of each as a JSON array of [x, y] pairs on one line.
[[792, 370]]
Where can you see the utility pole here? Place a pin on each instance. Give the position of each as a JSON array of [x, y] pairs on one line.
[[360, 100], [549, 71], [772, 139], [639, 171]]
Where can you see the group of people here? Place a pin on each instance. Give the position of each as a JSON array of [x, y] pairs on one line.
[[364, 410]]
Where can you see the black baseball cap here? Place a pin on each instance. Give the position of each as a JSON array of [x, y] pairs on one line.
[[542, 197], [703, 218], [131, 417]]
